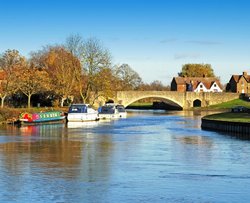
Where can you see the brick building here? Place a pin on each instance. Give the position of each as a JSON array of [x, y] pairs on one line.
[[239, 83], [196, 84]]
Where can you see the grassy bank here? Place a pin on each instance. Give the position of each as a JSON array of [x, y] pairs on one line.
[[229, 116], [13, 113], [229, 105]]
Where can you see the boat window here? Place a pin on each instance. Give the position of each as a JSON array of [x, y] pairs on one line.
[[78, 109], [74, 109], [108, 110], [84, 109], [120, 108]]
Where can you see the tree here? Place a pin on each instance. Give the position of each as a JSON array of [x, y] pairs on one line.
[[31, 80], [196, 70], [93, 57], [129, 79], [105, 83], [154, 86], [63, 69], [74, 44], [10, 62]]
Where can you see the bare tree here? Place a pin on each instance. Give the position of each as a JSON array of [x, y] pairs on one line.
[[93, 57], [74, 44], [129, 79]]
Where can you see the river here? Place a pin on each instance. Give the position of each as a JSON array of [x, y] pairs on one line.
[[151, 156]]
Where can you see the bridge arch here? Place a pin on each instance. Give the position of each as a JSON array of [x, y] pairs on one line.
[[197, 103], [165, 99]]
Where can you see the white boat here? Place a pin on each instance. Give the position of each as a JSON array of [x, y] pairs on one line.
[[121, 110], [112, 111], [81, 113]]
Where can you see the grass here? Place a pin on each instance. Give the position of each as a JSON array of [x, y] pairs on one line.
[[230, 104], [229, 116], [13, 113], [141, 105]]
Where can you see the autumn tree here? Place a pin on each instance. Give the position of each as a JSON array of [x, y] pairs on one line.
[[93, 57], [129, 79], [62, 68], [32, 80], [197, 70], [10, 62], [105, 83]]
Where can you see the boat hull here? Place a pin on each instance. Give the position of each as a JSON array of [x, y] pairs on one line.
[[41, 117], [82, 117]]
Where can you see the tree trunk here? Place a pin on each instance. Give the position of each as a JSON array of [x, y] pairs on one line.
[[86, 94], [29, 98], [2, 101], [82, 96], [62, 101]]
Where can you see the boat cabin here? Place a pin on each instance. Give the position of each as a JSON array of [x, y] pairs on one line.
[[78, 108]]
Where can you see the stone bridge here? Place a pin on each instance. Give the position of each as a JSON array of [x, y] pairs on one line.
[[185, 100]]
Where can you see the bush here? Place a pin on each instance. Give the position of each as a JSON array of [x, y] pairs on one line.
[[8, 113]]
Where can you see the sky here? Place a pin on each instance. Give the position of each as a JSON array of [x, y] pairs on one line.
[[155, 37]]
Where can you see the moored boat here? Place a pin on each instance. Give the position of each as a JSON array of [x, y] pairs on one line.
[[41, 117], [112, 111], [81, 113], [121, 111]]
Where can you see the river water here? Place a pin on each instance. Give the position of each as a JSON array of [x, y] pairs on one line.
[[151, 156]]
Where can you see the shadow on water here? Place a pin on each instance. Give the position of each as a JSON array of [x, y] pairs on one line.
[[232, 135]]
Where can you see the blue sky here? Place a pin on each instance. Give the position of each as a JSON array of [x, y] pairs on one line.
[[155, 37]]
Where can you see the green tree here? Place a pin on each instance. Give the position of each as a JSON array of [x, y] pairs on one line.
[[197, 70]]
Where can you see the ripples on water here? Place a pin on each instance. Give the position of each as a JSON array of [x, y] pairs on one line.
[[148, 157]]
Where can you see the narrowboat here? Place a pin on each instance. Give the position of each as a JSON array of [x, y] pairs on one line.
[[41, 117]]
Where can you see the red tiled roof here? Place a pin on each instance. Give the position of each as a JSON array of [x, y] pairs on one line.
[[237, 78], [206, 81]]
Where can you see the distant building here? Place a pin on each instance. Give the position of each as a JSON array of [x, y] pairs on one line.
[[196, 84], [239, 83]]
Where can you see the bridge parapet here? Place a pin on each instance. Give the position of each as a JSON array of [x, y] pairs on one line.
[[183, 99]]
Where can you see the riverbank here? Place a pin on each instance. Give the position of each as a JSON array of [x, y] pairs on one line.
[[10, 115], [236, 123]]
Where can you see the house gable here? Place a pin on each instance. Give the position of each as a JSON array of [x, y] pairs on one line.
[[215, 87], [201, 87]]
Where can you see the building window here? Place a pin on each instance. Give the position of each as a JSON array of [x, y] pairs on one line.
[[214, 85], [201, 86]]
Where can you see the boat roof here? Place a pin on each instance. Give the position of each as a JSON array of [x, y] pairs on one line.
[[79, 105]]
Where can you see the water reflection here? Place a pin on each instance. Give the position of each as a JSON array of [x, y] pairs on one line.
[[151, 157], [89, 124], [46, 130], [196, 140]]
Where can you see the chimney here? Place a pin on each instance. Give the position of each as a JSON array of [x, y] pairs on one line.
[[245, 73]]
